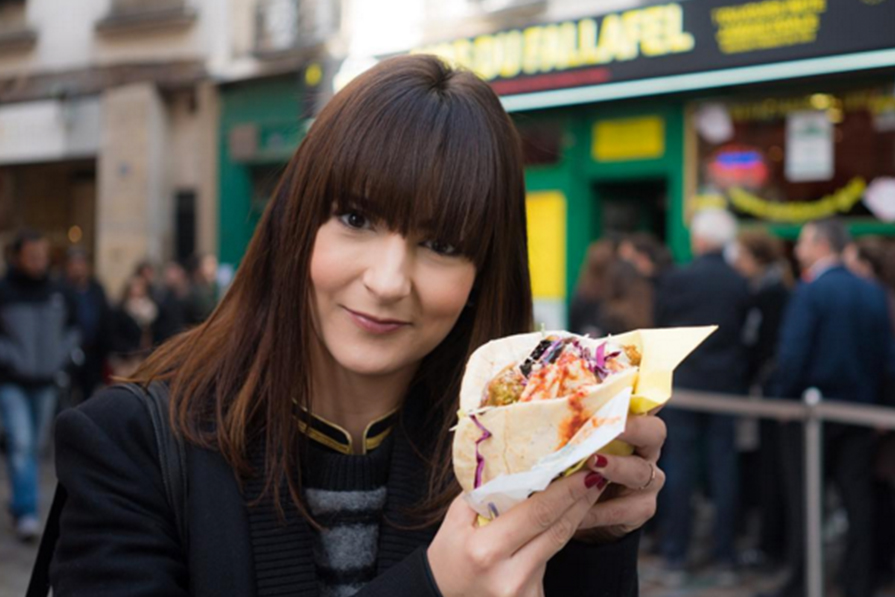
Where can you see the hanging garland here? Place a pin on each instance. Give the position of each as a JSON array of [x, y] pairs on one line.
[[841, 201]]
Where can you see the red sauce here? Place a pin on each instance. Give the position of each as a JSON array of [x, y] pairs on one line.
[[575, 421]]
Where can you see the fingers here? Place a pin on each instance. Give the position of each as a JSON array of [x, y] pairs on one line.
[[633, 472], [647, 435], [540, 512], [624, 514], [460, 514], [554, 538]]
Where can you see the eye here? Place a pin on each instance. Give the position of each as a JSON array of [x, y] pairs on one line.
[[446, 249], [355, 220]]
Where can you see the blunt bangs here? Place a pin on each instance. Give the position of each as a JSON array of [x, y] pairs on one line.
[[421, 157]]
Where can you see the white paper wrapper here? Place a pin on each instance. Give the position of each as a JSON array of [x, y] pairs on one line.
[[502, 493]]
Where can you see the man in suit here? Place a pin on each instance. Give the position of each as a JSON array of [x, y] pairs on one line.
[[836, 338], [707, 292]]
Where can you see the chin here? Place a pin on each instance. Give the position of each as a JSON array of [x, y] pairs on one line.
[[369, 363]]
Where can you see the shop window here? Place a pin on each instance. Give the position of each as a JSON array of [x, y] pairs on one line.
[[14, 31], [284, 26], [498, 7], [542, 142], [790, 159], [126, 16]]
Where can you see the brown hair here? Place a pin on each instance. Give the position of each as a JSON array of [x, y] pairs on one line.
[[592, 277], [419, 146], [627, 300], [764, 248], [648, 245]]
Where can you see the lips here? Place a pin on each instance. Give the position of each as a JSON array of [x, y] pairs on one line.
[[375, 325]]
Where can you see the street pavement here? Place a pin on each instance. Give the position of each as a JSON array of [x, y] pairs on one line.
[[17, 559]]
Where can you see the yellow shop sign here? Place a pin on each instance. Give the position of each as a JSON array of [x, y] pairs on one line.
[[650, 32]]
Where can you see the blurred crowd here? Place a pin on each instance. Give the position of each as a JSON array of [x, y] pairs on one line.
[[814, 313], [62, 337]]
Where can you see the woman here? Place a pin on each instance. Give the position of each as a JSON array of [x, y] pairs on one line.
[[132, 327], [584, 312], [759, 258], [317, 398], [627, 300]]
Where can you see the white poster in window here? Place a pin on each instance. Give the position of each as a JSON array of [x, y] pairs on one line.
[[880, 198], [809, 147]]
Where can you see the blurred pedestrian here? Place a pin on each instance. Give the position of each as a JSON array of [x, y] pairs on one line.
[[94, 320], [172, 317], [759, 258], [133, 324], [706, 292], [203, 297], [147, 270], [627, 300], [873, 258], [584, 312], [646, 253], [836, 337], [38, 335]]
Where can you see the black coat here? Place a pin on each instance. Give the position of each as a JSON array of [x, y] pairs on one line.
[[836, 337], [708, 292], [118, 538], [769, 298]]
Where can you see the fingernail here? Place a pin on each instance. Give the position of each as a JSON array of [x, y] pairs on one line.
[[600, 461], [594, 479]]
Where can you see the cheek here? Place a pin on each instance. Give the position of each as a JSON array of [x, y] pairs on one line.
[[328, 261], [444, 297]]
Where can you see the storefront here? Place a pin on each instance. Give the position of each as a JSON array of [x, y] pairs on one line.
[[48, 170], [262, 122], [781, 110]]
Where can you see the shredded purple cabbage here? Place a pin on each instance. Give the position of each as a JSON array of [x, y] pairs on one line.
[[479, 459], [551, 353], [493, 510], [600, 361]]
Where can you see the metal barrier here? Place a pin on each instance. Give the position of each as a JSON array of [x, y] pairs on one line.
[[812, 411]]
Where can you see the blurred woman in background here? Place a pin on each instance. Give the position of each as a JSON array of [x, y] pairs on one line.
[[584, 314], [759, 257], [132, 327]]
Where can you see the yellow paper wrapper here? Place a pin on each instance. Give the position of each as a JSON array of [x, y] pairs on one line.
[[662, 350]]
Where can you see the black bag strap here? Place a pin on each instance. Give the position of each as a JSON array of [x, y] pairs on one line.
[[39, 585], [172, 461], [171, 451]]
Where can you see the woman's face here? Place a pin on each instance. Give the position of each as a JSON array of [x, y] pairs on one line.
[[384, 301]]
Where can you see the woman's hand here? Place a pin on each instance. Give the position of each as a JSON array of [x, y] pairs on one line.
[[509, 555], [630, 500]]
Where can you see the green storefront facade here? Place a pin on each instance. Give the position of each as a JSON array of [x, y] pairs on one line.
[[610, 109], [592, 195], [261, 125]]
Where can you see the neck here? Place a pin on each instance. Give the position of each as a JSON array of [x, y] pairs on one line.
[[351, 400], [824, 263]]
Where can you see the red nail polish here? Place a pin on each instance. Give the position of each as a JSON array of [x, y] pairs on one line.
[[594, 479], [603, 483], [600, 461]]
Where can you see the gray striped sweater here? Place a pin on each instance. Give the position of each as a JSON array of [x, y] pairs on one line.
[[346, 495]]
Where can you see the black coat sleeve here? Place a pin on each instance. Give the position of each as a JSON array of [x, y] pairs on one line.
[[117, 535], [594, 570]]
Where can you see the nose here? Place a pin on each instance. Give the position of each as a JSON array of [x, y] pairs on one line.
[[387, 275]]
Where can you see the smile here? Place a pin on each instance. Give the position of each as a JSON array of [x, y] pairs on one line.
[[374, 325]]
